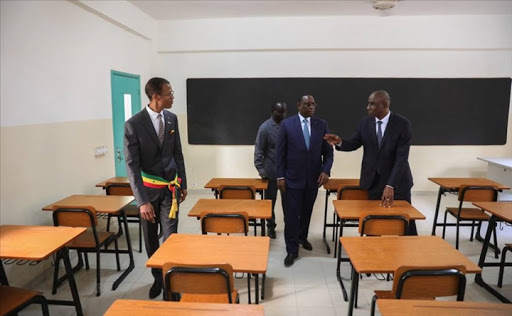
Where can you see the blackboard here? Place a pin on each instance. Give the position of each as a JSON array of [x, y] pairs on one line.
[[443, 111]]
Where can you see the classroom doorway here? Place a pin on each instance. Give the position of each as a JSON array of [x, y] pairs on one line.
[[126, 102]]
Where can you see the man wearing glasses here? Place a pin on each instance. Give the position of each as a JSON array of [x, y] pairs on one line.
[[303, 160], [386, 138], [156, 168]]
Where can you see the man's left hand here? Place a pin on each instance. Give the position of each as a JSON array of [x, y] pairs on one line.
[[183, 195], [322, 179], [387, 196]]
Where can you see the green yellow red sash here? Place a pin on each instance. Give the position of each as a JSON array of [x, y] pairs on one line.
[[156, 182]]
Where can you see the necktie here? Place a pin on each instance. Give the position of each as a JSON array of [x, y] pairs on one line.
[[305, 131], [161, 129], [379, 133]]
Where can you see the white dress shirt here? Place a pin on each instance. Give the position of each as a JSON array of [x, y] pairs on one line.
[[154, 118], [308, 120], [384, 124]]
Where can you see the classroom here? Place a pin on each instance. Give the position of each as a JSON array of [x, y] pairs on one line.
[[56, 122]]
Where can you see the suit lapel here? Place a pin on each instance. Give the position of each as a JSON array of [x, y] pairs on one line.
[[314, 131], [146, 120], [297, 126], [373, 133], [389, 130], [167, 125]]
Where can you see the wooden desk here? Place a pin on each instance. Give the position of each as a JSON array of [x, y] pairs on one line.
[[499, 211], [245, 253], [442, 308], [385, 254], [114, 180], [330, 187], [158, 308], [452, 185], [256, 209], [108, 204], [352, 209], [216, 183], [38, 243]]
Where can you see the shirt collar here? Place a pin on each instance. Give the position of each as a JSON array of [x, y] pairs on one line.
[[301, 118], [385, 120], [152, 113]]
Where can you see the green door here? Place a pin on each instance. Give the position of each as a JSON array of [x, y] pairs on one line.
[[125, 103]]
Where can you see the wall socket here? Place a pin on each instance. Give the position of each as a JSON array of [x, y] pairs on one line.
[[100, 151]]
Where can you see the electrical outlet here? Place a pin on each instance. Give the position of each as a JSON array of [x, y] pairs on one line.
[[100, 151]]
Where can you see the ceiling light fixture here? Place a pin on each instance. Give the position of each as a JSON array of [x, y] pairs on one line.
[[384, 4]]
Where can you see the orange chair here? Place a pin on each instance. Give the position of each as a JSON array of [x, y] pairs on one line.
[[385, 223], [425, 283], [200, 283], [13, 300], [347, 192], [474, 215], [131, 211], [508, 247], [89, 241], [224, 223]]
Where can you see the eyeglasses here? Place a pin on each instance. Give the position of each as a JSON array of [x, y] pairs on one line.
[[170, 94], [309, 104]]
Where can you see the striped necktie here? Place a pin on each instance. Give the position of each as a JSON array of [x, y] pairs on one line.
[[379, 133], [161, 129], [305, 131]]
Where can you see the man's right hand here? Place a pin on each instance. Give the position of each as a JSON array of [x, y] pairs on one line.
[[147, 212], [332, 139], [281, 184]]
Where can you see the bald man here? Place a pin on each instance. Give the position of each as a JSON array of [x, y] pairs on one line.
[[386, 139]]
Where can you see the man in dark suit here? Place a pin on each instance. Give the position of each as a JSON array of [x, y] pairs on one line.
[[386, 139], [303, 160], [154, 162]]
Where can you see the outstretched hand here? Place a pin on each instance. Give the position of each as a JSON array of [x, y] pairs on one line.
[[332, 139]]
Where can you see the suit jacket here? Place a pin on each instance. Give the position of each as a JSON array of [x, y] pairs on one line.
[[391, 160], [265, 149], [143, 152], [299, 166]]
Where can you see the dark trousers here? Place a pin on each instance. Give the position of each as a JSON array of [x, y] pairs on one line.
[[298, 209], [271, 194], [162, 207], [375, 193]]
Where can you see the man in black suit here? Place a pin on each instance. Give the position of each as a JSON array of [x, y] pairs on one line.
[[303, 160], [156, 168], [386, 139]]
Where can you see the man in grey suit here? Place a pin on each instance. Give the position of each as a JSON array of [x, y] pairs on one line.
[[265, 158], [156, 168]]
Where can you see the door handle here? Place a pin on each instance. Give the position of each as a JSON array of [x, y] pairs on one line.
[[119, 155]]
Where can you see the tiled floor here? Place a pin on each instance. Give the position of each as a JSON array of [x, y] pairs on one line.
[[309, 287]]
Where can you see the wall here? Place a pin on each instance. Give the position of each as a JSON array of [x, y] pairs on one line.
[[56, 59], [423, 47]]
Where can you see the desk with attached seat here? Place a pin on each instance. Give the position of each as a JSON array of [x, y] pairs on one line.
[[107, 204], [37, 243], [394, 252], [244, 253], [352, 209], [501, 211], [452, 185]]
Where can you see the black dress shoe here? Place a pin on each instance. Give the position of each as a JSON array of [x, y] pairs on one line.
[[271, 233], [155, 290], [290, 258], [307, 245]]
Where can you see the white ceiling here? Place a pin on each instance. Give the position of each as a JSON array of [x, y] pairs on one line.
[[212, 9]]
